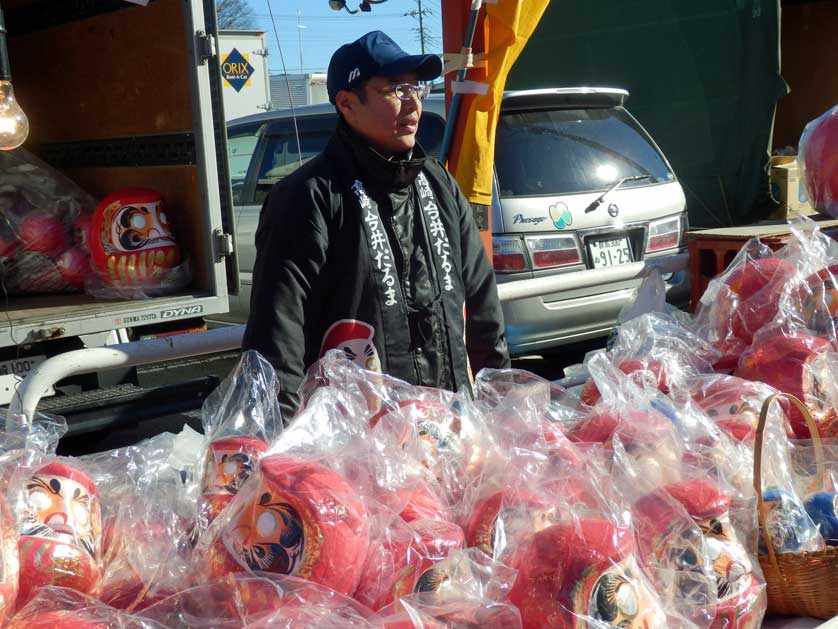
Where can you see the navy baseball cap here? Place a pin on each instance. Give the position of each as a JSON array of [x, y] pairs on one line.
[[375, 54]]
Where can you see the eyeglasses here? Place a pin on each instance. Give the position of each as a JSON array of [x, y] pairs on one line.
[[406, 91]]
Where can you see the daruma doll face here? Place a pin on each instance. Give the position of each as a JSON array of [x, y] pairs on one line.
[[131, 240]]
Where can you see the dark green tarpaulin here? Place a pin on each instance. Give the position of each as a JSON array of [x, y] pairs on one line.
[[703, 77]]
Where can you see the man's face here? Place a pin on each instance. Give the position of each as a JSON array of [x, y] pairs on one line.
[[388, 123]]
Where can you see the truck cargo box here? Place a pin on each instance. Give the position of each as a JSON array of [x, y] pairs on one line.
[[123, 95]]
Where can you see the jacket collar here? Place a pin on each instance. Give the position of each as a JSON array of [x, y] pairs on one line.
[[378, 171]]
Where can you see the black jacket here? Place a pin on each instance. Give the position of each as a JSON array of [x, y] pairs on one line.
[[315, 282]]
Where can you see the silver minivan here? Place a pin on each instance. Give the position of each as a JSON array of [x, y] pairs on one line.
[[579, 185]]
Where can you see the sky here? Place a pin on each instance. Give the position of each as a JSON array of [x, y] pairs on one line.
[[324, 30]]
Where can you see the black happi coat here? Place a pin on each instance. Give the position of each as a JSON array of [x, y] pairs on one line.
[[320, 260]]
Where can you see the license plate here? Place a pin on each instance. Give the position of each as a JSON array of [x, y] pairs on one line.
[[13, 371], [610, 252]]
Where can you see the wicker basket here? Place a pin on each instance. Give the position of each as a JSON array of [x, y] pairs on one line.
[[799, 584]]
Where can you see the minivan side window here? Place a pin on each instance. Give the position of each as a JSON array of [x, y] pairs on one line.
[[241, 142], [281, 156], [570, 151]]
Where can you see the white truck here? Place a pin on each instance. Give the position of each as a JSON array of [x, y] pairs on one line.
[[122, 95], [296, 90]]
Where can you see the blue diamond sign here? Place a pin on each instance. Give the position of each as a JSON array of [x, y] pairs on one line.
[[236, 70]]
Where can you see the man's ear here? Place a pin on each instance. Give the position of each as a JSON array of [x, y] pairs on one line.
[[346, 102]]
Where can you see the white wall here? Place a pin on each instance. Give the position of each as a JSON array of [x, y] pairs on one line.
[[242, 53]]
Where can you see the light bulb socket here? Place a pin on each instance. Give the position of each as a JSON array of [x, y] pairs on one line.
[[5, 67]]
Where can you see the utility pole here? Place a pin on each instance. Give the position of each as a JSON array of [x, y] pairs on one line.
[[421, 28], [300, 28], [420, 13]]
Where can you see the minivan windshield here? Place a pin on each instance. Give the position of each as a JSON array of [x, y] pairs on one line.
[[568, 151]]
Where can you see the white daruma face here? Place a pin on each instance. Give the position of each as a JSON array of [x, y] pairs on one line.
[[63, 509]]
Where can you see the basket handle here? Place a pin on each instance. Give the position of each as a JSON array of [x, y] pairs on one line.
[[818, 447]]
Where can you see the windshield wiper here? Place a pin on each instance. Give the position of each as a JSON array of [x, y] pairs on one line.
[[601, 198]]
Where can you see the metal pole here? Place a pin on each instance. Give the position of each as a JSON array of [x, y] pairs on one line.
[[37, 383], [454, 110]]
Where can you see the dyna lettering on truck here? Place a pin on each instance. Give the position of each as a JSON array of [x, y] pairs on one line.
[[186, 311]]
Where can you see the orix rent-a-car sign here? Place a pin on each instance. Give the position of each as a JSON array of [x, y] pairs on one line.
[[236, 70]]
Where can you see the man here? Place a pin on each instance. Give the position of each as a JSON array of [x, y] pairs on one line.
[[371, 247]]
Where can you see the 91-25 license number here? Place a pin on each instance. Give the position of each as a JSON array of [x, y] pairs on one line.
[[610, 252]]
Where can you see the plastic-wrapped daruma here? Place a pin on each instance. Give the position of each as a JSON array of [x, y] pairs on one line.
[[741, 601], [501, 520], [61, 533], [299, 518], [590, 393], [650, 440], [9, 562], [733, 404], [751, 298], [399, 557], [786, 362], [585, 569], [230, 461]]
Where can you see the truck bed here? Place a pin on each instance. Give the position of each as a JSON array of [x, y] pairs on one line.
[[40, 318]]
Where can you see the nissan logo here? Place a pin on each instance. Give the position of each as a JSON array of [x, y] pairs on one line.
[[613, 210]]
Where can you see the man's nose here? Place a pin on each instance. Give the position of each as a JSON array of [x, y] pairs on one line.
[[414, 103]]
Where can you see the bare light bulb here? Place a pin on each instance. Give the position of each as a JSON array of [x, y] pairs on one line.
[[14, 125]]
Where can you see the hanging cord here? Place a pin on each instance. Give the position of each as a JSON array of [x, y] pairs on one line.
[[287, 84]]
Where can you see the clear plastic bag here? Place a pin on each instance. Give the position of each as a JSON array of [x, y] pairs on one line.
[[817, 161], [62, 607], [702, 562], [819, 490], [788, 527], [147, 510], [40, 248], [241, 418], [399, 553], [468, 588], [20, 438], [248, 600], [440, 429], [657, 350]]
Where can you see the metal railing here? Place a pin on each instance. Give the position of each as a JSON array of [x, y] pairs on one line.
[[25, 402]]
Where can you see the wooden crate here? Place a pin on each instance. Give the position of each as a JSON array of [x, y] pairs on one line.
[[712, 250]]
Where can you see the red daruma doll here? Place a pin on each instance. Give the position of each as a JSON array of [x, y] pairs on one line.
[[297, 518], [230, 462], [61, 531], [131, 240]]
